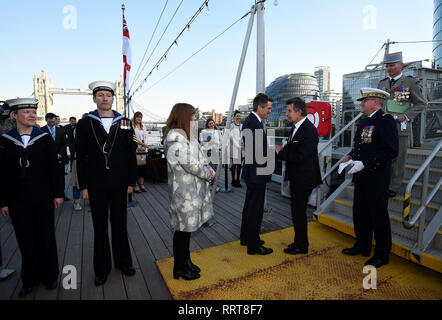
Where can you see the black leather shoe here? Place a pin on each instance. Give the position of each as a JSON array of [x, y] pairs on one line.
[[294, 250], [192, 266], [25, 291], [186, 273], [391, 194], [376, 262], [355, 251], [261, 243], [100, 280], [51, 285], [128, 271], [260, 251]]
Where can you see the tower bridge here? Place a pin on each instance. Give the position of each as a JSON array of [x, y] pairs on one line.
[[44, 93]]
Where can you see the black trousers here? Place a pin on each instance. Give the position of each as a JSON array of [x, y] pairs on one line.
[[370, 215], [61, 176], [299, 199], [252, 214], [35, 232], [114, 201], [181, 252]]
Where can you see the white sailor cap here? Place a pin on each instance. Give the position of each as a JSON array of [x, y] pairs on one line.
[[373, 93], [103, 85], [22, 103], [393, 57]]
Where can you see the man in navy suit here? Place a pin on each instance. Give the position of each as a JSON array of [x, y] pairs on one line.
[[59, 136], [256, 183], [302, 169]]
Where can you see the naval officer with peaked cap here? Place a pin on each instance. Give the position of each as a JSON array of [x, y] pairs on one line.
[[375, 146], [29, 192], [406, 102], [106, 164]]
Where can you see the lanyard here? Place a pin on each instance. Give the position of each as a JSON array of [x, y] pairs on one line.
[[106, 154]]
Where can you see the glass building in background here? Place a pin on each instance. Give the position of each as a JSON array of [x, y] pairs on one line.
[[437, 35], [302, 85]]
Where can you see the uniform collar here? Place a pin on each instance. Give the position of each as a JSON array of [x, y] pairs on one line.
[[395, 78], [94, 115], [376, 112], [15, 137]]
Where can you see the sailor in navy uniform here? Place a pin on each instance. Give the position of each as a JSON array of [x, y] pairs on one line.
[[29, 192], [106, 163], [375, 146]]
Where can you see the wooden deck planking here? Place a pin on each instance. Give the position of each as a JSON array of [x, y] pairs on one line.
[[150, 237]]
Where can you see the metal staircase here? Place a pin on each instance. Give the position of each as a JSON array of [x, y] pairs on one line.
[[416, 228]]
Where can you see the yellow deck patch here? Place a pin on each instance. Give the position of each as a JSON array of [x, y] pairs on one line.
[[228, 273]]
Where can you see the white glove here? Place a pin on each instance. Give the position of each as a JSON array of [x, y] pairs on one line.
[[344, 165], [358, 166]]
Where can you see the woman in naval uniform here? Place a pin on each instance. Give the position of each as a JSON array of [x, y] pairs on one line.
[[29, 193]]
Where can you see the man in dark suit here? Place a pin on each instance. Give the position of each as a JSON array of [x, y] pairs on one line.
[[59, 136], [376, 144], [302, 169], [256, 183], [69, 129]]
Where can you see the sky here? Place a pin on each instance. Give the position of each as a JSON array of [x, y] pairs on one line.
[[77, 42]]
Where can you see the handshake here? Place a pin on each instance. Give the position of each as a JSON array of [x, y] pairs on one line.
[[357, 166]]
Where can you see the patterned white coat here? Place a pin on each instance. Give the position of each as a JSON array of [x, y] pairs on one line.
[[189, 175]]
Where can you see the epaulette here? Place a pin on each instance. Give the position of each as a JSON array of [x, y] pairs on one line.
[[386, 113]]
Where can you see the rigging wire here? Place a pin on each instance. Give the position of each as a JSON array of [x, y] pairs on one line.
[[198, 51], [175, 42], [161, 38], [150, 41]]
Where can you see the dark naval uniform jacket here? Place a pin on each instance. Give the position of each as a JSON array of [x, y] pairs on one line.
[[29, 174], [375, 144], [28, 187], [93, 142]]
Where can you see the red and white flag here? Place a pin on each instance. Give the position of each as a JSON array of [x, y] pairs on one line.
[[127, 54]]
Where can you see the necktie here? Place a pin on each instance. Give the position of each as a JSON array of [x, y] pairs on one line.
[[53, 133], [392, 82]]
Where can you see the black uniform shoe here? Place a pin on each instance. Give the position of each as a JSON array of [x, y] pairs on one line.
[[25, 291], [391, 194], [376, 262], [51, 285], [260, 251], [186, 273], [100, 280], [261, 243], [128, 271], [294, 250], [355, 251]]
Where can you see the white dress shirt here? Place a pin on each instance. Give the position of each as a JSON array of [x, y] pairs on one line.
[[298, 125]]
